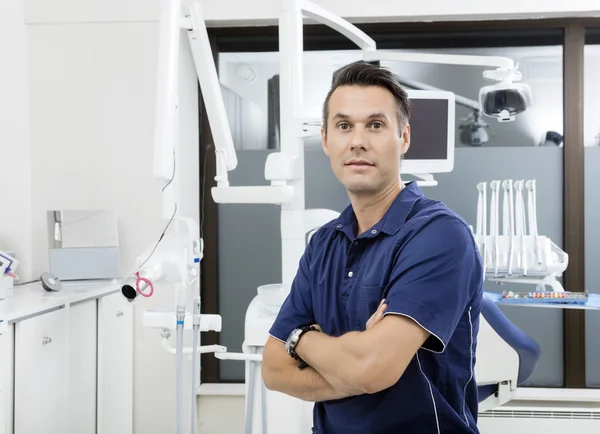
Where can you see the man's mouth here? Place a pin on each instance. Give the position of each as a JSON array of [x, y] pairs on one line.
[[358, 163]]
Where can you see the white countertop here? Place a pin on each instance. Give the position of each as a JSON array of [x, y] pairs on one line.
[[32, 299]]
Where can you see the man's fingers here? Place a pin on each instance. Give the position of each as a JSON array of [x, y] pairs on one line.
[[377, 315]]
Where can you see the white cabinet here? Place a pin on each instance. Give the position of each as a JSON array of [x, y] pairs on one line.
[[115, 365], [82, 367], [41, 374], [66, 362]]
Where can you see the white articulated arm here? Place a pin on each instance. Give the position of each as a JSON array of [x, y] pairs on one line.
[[323, 16], [167, 101], [278, 192], [460, 100], [506, 67], [502, 63], [211, 93]]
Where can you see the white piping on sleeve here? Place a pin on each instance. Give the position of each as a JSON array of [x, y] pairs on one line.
[[470, 365], [275, 337], [424, 328]]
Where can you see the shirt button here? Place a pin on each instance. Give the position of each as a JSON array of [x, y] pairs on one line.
[[338, 226], [374, 231], [350, 274]]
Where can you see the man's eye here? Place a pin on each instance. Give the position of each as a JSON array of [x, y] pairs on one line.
[[343, 126], [377, 124]]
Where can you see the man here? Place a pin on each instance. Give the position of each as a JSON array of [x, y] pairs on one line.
[[380, 326]]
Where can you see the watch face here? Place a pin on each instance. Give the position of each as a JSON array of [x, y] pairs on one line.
[[292, 341]]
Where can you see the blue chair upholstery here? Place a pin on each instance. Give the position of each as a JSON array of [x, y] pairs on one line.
[[527, 349]]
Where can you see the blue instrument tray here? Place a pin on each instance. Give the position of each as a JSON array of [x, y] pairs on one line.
[[593, 302]]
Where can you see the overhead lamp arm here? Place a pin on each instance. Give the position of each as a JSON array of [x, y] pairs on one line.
[[460, 100], [369, 46], [503, 63], [323, 16]]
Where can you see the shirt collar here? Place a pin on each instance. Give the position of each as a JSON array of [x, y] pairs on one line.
[[393, 219]]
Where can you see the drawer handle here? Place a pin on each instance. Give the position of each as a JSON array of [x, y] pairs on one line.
[[46, 340]]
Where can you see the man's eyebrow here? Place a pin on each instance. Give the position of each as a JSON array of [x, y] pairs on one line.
[[340, 116], [377, 115]]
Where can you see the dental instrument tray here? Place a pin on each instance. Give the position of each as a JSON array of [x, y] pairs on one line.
[[545, 297]]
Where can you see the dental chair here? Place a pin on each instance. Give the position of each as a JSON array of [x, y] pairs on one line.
[[506, 357]]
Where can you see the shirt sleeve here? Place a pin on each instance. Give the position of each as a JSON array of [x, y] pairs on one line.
[[297, 309], [436, 275]]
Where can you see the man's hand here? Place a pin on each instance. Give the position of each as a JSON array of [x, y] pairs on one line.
[[375, 318], [378, 315]]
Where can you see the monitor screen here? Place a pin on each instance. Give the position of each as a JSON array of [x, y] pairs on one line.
[[432, 132], [429, 129]]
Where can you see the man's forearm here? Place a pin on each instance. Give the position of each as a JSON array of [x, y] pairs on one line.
[[339, 360], [306, 384]]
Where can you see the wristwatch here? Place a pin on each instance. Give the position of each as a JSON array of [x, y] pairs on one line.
[[293, 340]]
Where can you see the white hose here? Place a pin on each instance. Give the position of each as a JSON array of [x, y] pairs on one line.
[[180, 319], [195, 366]]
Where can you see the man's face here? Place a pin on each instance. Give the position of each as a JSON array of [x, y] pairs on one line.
[[364, 141]]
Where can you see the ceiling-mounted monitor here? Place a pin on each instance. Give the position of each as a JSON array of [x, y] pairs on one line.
[[432, 126]]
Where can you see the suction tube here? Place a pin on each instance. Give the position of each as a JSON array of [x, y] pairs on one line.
[[180, 319], [195, 363]]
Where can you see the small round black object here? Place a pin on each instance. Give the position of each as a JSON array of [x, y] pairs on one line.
[[129, 292]]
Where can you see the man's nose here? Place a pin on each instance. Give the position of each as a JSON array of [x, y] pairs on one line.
[[359, 139]]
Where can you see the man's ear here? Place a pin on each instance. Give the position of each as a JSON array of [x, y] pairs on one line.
[[405, 139], [324, 141]]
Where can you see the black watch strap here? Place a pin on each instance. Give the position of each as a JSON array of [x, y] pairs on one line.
[[303, 330]]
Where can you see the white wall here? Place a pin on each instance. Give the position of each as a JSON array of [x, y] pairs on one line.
[[76, 122], [77, 113], [92, 89], [15, 167]]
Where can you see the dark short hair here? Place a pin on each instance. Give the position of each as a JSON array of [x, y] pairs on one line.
[[367, 74]]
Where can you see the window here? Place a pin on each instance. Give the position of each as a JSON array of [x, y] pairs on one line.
[[534, 146]]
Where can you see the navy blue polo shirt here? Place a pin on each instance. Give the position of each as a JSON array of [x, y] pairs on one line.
[[422, 258]]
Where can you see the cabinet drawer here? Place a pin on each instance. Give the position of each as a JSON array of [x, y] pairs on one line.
[[115, 365], [82, 368]]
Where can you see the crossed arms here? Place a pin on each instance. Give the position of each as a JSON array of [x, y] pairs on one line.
[[352, 364], [429, 289]]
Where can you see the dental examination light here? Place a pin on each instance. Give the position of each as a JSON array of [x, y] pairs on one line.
[[503, 100], [516, 253], [176, 257]]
